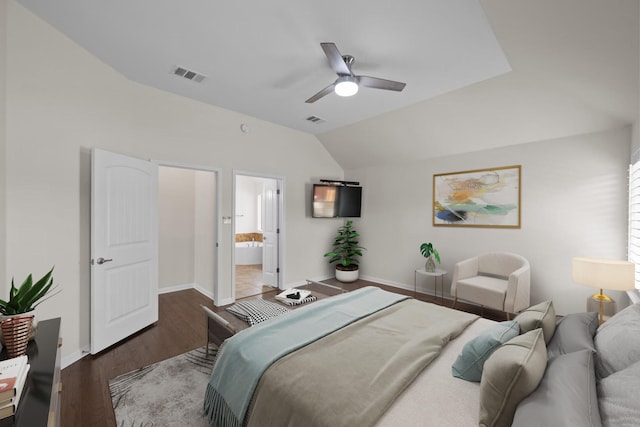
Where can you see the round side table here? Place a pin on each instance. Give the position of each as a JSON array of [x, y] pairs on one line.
[[439, 273]]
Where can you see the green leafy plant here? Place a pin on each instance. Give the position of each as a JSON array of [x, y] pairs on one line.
[[345, 247], [427, 249], [29, 295]]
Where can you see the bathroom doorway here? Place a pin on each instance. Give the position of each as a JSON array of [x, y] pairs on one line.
[[257, 224]]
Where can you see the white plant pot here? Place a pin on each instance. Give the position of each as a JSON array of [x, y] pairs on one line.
[[347, 276]]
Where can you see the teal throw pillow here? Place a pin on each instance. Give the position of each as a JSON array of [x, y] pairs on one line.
[[468, 366]]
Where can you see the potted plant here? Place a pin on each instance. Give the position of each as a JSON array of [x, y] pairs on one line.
[[27, 297], [429, 252], [345, 249]]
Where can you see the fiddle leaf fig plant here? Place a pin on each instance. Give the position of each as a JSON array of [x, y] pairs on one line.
[[427, 249], [29, 295], [345, 246]]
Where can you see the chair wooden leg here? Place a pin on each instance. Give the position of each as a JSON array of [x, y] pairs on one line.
[[455, 300], [206, 353], [508, 315]]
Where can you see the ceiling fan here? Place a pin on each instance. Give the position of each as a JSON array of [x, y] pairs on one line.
[[347, 83]]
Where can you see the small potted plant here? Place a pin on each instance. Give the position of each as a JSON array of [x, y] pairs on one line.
[[345, 249], [27, 297], [429, 252]]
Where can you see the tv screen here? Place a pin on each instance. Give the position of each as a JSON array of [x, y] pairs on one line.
[[349, 201], [331, 201], [325, 201]]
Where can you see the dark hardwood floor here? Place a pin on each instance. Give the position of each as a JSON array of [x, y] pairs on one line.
[[181, 327]]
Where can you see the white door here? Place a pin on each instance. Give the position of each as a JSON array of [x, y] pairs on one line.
[[124, 247], [270, 232]]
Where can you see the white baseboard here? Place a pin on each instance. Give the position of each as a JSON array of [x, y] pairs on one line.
[[429, 291], [207, 293], [387, 282], [304, 282], [74, 357], [84, 351], [176, 288], [370, 279]]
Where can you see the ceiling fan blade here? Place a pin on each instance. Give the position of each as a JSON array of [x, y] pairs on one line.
[[376, 83], [326, 91], [335, 59]]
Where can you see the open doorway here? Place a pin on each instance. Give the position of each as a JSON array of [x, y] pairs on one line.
[[188, 228], [257, 208]]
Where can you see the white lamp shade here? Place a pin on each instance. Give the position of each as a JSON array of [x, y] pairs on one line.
[[604, 273], [346, 86]]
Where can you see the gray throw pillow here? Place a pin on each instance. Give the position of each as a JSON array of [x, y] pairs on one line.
[[511, 373], [470, 361], [542, 316], [566, 396], [618, 341], [574, 332], [618, 393]]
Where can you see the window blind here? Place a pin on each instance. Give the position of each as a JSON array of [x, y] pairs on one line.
[[634, 218]]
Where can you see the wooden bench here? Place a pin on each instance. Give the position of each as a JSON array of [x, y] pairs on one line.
[[218, 329]]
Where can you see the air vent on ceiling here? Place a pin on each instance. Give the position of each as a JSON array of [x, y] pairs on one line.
[[188, 74], [315, 119]]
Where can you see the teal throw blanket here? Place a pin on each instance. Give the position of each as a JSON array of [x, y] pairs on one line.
[[244, 357]]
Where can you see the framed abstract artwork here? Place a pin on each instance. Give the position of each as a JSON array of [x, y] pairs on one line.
[[478, 198]]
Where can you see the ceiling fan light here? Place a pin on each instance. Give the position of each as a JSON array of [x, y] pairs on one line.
[[346, 86]]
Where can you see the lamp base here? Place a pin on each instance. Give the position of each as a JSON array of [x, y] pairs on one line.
[[604, 305]]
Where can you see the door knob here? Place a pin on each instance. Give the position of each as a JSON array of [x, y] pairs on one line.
[[102, 260]]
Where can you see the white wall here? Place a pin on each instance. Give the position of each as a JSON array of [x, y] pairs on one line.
[[3, 134], [176, 224], [61, 102], [247, 190], [205, 231], [635, 146], [574, 203], [187, 229]]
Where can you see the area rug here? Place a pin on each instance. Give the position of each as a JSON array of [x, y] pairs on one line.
[[167, 393]]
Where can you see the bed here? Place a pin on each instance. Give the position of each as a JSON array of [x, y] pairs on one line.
[[371, 357]]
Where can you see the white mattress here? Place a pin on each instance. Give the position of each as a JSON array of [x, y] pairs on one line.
[[436, 398]]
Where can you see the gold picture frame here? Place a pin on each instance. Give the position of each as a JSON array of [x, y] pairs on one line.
[[488, 198]]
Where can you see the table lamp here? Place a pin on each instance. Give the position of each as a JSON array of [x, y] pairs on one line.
[[603, 274]]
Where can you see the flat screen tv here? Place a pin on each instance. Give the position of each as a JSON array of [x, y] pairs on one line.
[[333, 201]]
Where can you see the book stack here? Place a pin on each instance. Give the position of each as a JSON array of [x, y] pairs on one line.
[[13, 375], [295, 296]]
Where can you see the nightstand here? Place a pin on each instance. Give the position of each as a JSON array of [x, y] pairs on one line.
[[436, 274]]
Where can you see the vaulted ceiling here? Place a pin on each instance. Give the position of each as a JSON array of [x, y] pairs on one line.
[[479, 74]]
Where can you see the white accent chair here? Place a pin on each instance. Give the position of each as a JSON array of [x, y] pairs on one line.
[[498, 280]]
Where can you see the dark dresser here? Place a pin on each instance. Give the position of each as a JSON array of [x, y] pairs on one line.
[[40, 402]]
